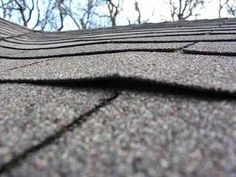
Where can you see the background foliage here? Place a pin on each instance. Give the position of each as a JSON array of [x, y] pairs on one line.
[[55, 15]]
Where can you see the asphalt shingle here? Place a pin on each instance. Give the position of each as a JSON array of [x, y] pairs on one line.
[[190, 70], [9, 29], [220, 48], [6, 65], [120, 101], [163, 38], [144, 135], [74, 49], [29, 114]]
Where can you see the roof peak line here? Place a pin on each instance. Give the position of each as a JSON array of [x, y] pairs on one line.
[[7, 22], [168, 24]]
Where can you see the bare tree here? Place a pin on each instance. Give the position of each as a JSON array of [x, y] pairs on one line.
[[88, 13], [51, 19], [83, 17], [21, 11], [59, 5], [21, 7], [231, 7], [220, 8], [137, 9], [49, 15], [56, 14], [113, 10], [5, 10], [183, 9], [139, 19], [43, 22]]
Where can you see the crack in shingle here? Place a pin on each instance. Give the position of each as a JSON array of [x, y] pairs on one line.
[[26, 65]]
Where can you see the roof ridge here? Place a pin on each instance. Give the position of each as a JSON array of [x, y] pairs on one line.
[[15, 24], [184, 23]]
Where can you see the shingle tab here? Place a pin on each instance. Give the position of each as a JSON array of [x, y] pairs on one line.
[[142, 39], [74, 49], [8, 29], [200, 71], [144, 135], [29, 114], [216, 48], [137, 100]]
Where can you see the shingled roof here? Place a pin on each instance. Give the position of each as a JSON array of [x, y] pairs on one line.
[[141, 100]]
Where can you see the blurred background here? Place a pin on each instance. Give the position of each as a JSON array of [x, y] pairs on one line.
[[62, 15]]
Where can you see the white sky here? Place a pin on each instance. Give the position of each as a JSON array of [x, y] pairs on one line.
[[154, 10], [161, 11]]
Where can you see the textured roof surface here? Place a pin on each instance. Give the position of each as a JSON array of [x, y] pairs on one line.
[[144, 100]]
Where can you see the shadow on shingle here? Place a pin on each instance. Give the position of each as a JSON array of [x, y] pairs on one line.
[[132, 84]]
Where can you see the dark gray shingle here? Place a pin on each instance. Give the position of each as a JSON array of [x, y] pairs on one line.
[[173, 137], [120, 101], [190, 70], [216, 48], [30, 114]]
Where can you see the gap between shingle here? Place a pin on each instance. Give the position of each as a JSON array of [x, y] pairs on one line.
[[195, 52], [64, 40], [181, 50], [113, 41], [78, 122], [89, 53]]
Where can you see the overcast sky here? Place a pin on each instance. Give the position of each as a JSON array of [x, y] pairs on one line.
[[158, 11], [152, 11], [162, 10]]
